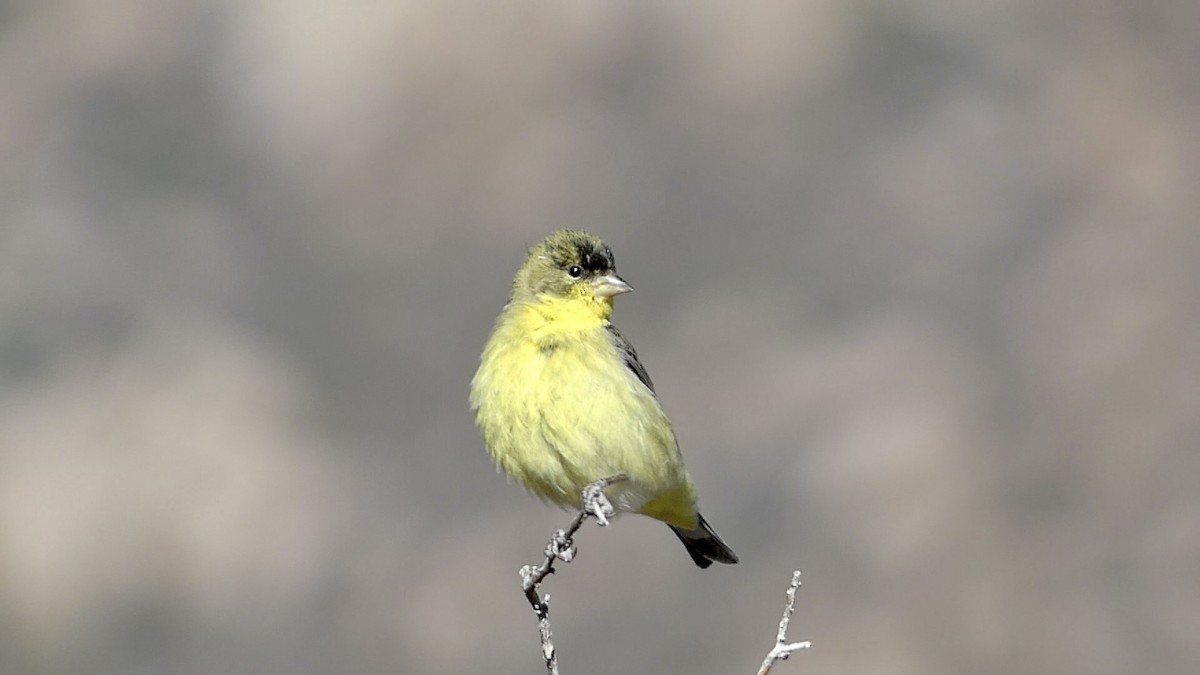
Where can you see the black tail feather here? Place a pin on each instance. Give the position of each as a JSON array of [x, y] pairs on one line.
[[704, 545]]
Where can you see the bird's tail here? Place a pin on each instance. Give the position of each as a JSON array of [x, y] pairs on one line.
[[704, 545]]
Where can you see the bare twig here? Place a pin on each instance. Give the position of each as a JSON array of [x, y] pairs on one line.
[[782, 650], [561, 547]]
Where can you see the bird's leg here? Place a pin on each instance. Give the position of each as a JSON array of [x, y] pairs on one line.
[[595, 503]]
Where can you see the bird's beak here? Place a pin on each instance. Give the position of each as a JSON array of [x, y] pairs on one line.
[[610, 285]]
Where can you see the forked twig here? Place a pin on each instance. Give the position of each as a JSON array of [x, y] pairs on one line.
[[782, 650], [595, 504]]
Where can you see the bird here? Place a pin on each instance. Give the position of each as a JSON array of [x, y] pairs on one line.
[[562, 399]]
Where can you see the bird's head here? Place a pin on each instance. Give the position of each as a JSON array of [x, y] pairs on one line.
[[570, 264]]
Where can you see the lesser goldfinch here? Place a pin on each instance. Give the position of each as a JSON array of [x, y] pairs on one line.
[[562, 400]]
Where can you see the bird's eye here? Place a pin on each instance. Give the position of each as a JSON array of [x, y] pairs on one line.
[[575, 271]]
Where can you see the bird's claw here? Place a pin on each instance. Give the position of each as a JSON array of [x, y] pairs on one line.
[[597, 504]]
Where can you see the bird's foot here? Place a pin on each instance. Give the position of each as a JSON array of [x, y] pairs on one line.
[[596, 503]]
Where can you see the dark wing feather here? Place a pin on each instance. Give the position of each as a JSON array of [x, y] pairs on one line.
[[630, 355]]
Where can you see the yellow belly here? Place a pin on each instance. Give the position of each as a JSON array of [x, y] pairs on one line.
[[557, 414]]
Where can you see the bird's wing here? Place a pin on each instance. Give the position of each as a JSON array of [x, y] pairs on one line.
[[630, 356]]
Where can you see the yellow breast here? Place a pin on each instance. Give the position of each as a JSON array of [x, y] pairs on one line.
[[559, 409]]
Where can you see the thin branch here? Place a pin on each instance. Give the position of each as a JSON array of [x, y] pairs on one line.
[[594, 504], [782, 650]]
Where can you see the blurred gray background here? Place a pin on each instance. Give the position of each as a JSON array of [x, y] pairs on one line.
[[918, 282]]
